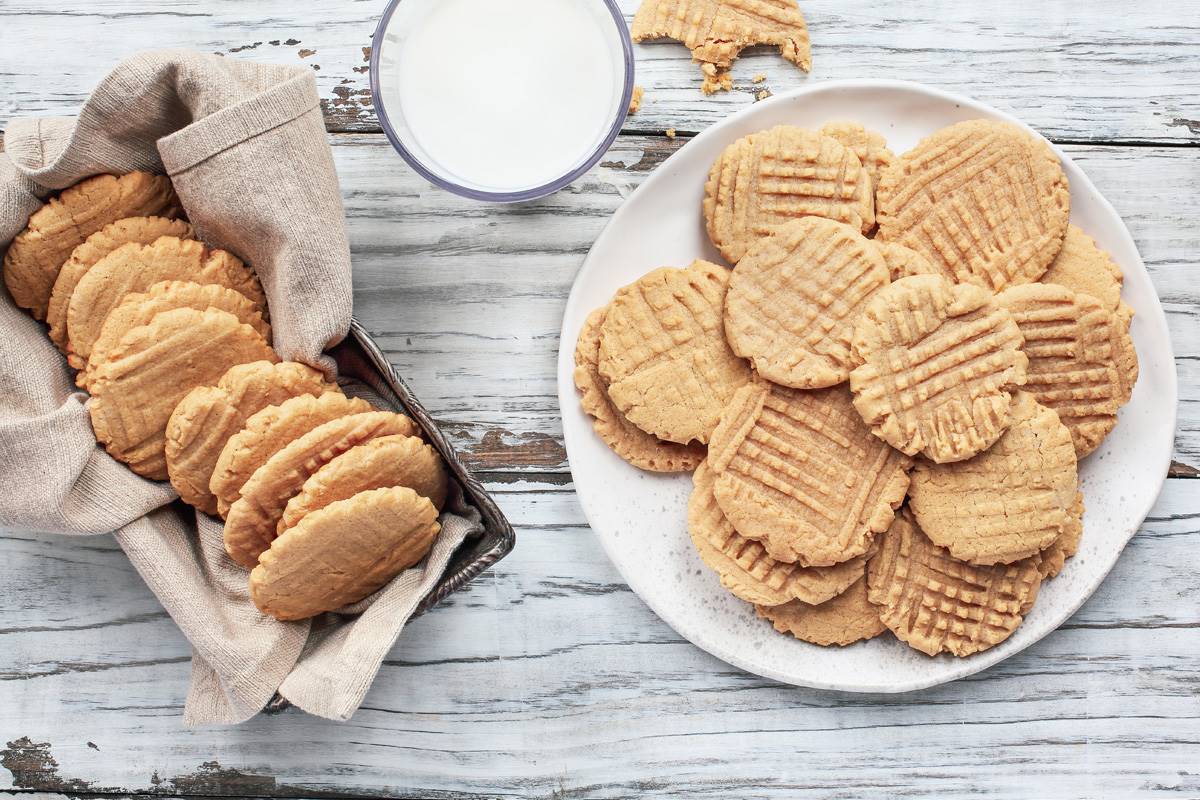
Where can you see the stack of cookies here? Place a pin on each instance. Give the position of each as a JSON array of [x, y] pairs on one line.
[[884, 402], [324, 498]]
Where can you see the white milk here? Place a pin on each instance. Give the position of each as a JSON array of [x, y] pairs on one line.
[[504, 95]]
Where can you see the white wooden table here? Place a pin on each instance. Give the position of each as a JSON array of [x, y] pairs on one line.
[[548, 677]]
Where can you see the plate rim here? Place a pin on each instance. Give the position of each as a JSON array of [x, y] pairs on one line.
[[567, 394]]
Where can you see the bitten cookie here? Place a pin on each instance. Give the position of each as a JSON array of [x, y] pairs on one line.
[[625, 439], [795, 298], [986, 202], [845, 619], [343, 552], [135, 389], [936, 603], [940, 364], [35, 256], [799, 471], [1008, 502], [664, 355], [769, 178], [208, 416]]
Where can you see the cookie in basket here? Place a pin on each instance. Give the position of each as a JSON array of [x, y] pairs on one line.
[[140, 381], [769, 178], [208, 416], [36, 255], [938, 604], [252, 521], [744, 566], [845, 619], [870, 147], [1010, 501], [664, 355], [342, 553], [940, 364], [800, 472], [139, 230], [984, 201], [795, 298], [641, 449]]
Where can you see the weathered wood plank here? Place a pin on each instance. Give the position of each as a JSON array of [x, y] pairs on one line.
[[1078, 71]]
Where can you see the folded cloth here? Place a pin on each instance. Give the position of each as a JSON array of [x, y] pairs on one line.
[[245, 147]]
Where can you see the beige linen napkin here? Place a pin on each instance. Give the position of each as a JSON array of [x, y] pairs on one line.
[[245, 147]]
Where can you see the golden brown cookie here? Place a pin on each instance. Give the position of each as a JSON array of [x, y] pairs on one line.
[[936, 603], [142, 230], [716, 31], [986, 202], [664, 356], [845, 619], [941, 363], [377, 464], [1008, 502], [1083, 267], [141, 307], [800, 472], [142, 379], [1124, 353], [208, 416], [253, 519], [343, 552], [743, 564], [267, 431], [35, 256], [1054, 557], [1069, 340], [795, 298], [903, 262], [626, 439], [870, 147], [135, 268]]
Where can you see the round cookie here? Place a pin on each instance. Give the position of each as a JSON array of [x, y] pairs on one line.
[[142, 230], [135, 389], [795, 297], [1069, 340], [743, 565], [800, 472], [1124, 354], [1054, 557], [716, 31], [253, 519], [766, 179], [903, 262], [377, 464], [1007, 503], [937, 603], [627, 440], [141, 307], [940, 364], [343, 552], [208, 416], [845, 619], [35, 256], [985, 201], [135, 268], [664, 356], [1083, 267], [870, 147], [267, 431]]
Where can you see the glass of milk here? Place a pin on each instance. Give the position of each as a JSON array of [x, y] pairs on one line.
[[502, 100]]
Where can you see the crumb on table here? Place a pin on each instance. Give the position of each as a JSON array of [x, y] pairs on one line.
[[635, 102], [759, 78], [670, 133], [715, 79]]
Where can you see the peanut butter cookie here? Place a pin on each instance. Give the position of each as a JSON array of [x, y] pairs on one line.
[[870, 147], [1083, 267], [845, 619]]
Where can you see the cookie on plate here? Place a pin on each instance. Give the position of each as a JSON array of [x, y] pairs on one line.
[[1083, 267], [743, 565], [664, 356], [903, 262], [870, 147], [141, 380], [938, 604], [36, 255], [1054, 557], [769, 178], [343, 552], [800, 472], [985, 201], [845, 619], [627, 440], [208, 416], [795, 298], [940, 364], [1010, 501]]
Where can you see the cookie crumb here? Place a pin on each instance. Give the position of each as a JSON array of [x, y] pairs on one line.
[[670, 133], [635, 102], [762, 95], [759, 78], [715, 79]]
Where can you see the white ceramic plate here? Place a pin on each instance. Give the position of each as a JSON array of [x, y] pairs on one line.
[[640, 518]]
